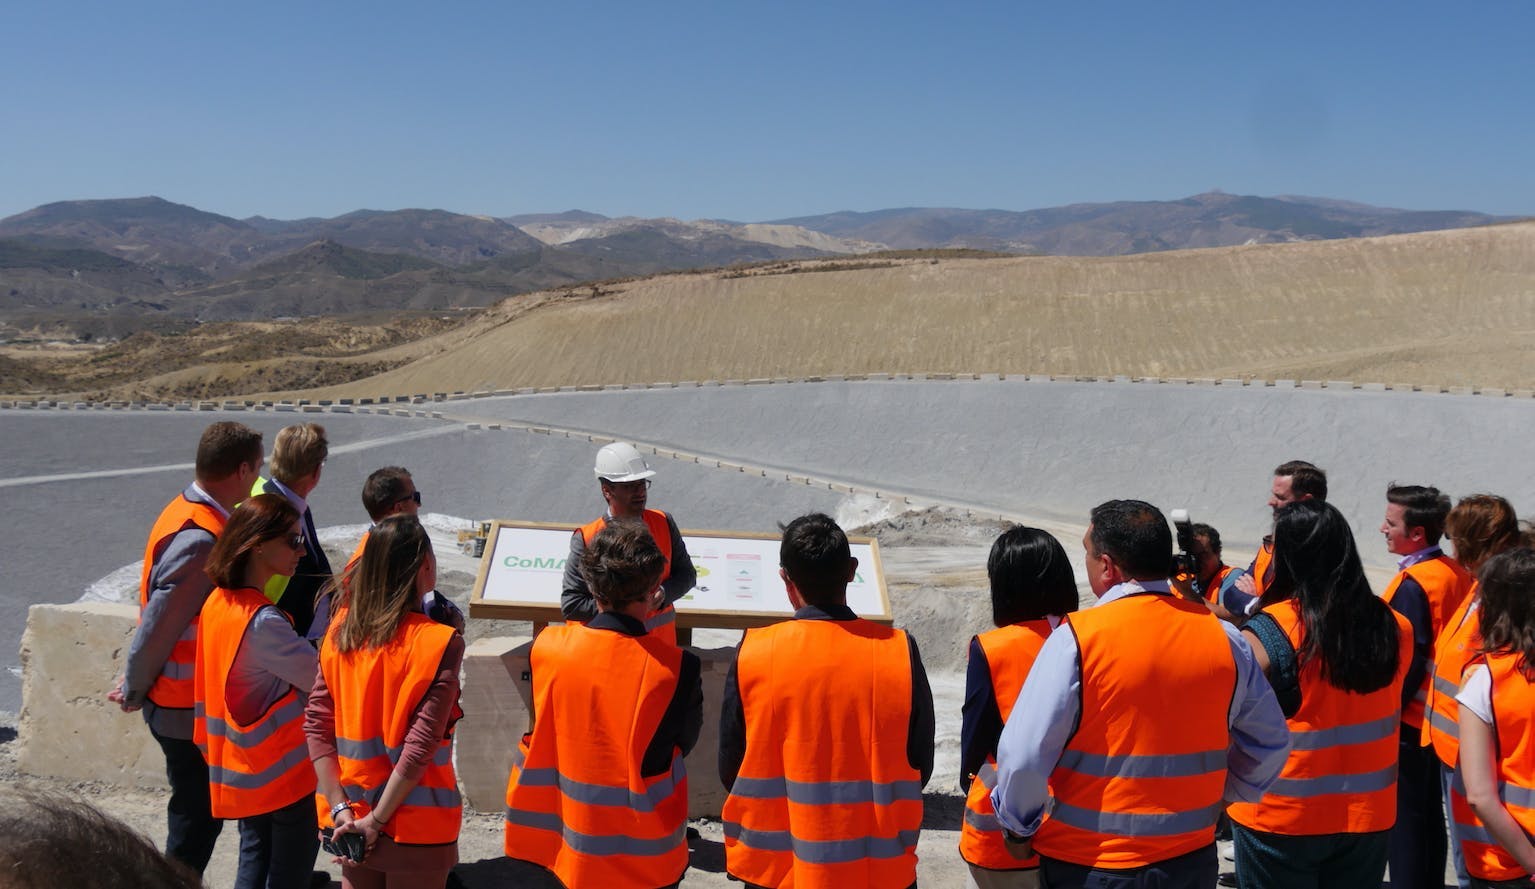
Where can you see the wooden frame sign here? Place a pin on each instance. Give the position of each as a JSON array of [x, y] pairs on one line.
[[738, 583]]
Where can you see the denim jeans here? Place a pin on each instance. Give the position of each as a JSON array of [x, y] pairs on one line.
[[191, 830], [277, 850]]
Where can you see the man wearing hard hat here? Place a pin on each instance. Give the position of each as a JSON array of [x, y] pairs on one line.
[[625, 477]]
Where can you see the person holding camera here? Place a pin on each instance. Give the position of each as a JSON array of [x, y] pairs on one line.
[[380, 720]]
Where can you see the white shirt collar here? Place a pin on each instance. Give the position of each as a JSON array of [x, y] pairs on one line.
[[208, 499], [1422, 555], [1131, 587]]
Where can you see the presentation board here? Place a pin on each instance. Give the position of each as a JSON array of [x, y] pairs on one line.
[[738, 583]]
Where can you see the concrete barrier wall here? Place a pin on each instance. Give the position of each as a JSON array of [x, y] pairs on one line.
[[71, 655]]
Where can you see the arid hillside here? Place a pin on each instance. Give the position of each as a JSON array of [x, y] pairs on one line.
[[1440, 308], [1447, 308]]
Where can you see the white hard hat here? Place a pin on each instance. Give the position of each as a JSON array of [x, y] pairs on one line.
[[621, 462]]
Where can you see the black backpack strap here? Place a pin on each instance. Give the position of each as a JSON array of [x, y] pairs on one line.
[[1284, 672]]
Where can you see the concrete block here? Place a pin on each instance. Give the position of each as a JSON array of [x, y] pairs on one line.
[[1233, 383], [498, 707], [70, 658], [1493, 392], [1372, 387], [1344, 385]]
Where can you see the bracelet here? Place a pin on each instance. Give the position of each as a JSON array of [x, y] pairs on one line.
[[336, 809]]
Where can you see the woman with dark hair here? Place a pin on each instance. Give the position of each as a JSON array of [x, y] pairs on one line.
[[1479, 527], [252, 676], [615, 710], [1337, 657], [388, 689], [1496, 815], [1032, 587]]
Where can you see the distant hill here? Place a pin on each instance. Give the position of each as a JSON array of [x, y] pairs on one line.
[[1351, 309], [103, 267], [1214, 219]]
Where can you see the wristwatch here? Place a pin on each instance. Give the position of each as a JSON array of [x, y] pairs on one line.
[[338, 807]]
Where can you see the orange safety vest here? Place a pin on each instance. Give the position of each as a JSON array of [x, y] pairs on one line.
[[376, 692], [661, 623], [1142, 778], [172, 689], [576, 802], [825, 797], [1340, 776], [1263, 567], [1446, 585], [1010, 653], [1213, 593], [1454, 650], [1513, 715], [256, 768]]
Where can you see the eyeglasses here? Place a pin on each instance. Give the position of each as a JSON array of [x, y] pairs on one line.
[[414, 495], [642, 484]]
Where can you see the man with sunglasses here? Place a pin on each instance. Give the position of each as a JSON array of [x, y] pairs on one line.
[[624, 478], [388, 491]]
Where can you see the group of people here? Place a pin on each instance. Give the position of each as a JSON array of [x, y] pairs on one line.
[[1331, 726], [1100, 747], [285, 697]]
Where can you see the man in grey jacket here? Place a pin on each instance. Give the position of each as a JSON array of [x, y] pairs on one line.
[[173, 587]]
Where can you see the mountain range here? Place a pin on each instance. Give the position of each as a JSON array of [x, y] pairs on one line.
[[104, 268]]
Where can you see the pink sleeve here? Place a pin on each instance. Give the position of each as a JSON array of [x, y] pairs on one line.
[[429, 725], [320, 719]]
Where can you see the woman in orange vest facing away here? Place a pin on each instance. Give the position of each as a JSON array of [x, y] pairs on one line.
[[1337, 657], [1032, 586], [598, 793], [380, 720], [252, 677], [1479, 527], [1493, 803]]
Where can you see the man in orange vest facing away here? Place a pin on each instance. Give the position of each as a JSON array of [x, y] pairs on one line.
[[1141, 718], [826, 734], [1427, 590], [1293, 480], [624, 478], [173, 587]]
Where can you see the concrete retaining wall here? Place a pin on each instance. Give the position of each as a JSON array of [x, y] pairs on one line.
[[71, 655]]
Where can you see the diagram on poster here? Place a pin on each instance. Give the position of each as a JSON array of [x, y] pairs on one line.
[[738, 584]]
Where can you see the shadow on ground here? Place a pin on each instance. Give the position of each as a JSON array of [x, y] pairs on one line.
[[493, 873], [942, 811]]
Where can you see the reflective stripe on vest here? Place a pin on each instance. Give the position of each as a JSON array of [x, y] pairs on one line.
[[1131, 791], [1010, 653], [1453, 651], [576, 802], [1513, 760], [1340, 776], [376, 692], [661, 623], [252, 769], [813, 807], [172, 689], [1445, 584]]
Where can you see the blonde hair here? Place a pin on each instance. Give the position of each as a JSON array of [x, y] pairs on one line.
[[381, 587], [298, 451]]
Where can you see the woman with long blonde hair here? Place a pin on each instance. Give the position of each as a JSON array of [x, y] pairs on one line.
[[381, 717]]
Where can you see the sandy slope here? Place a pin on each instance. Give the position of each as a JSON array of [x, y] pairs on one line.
[[1436, 308]]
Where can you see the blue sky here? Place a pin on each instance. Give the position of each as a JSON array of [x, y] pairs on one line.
[[762, 111]]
